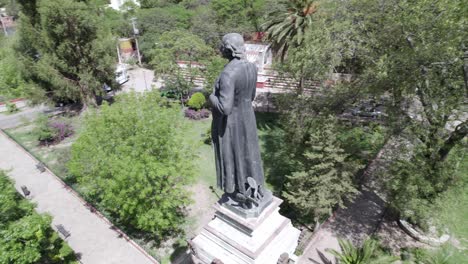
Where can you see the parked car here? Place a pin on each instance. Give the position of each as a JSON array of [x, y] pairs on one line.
[[369, 109], [121, 74], [107, 94]]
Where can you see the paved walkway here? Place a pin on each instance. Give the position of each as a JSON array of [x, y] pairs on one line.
[[140, 80], [26, 114], [91, 235]]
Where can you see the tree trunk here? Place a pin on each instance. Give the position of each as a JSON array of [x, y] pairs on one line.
[[87, 98]]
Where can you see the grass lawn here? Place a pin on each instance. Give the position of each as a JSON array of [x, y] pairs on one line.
[[451, 212], [197, 132]]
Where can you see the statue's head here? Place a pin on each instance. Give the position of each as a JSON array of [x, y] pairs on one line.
[[233, 46]]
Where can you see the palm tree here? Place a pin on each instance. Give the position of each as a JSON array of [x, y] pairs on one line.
[[286, 27], [365, 254]]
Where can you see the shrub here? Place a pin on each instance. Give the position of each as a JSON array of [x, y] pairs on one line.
[[42, 131], [139, 140], [11, 107], [52, 131], [197, 115], [197, 101], [208, 140], [362, 143], [60, 129]]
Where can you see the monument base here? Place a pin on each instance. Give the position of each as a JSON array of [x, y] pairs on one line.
[[233, 239]]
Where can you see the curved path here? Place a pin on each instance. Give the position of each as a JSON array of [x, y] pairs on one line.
[[92, 235]]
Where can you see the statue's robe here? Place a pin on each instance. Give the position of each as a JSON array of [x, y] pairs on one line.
[[234, 129]]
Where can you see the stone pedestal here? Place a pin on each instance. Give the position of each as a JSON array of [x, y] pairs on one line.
[[234, 239]]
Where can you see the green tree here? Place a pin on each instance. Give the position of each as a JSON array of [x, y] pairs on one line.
[[414, 53], [157, 3], [65, 54], [213, 67], [132, 160], [324, 177], [237, 15], [204, 25], [25, 236], [286, 27], [153, 22], [176, 46], [12, 84], [367, 253]]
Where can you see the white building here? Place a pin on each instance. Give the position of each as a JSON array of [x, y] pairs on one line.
[[117, 4], [261, 55]]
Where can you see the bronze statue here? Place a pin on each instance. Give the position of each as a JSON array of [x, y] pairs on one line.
[[234, 130]]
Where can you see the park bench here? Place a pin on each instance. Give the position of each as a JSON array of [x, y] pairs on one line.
[[62, 231], [25, 190], [41, 167]]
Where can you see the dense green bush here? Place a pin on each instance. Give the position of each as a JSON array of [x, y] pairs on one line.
[[52, 131], [43, 131], [26, 237], [197, 101], [133, 162], [416, 182], [362, 142], [11, 107], [323, 178]]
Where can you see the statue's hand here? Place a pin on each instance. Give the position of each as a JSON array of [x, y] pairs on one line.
[[212, 99]]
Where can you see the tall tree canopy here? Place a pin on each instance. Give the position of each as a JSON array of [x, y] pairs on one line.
[[11, 82], [65, 54], [323, 177], [409, 55], [132, 159], [286, 27]]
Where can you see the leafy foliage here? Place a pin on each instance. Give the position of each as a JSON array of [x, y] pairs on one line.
[[416, 183], [65, 55], [154, 22], [413, 53], [421, 68], [323, 179], [11, 107], [176, 46], [238, 15], [52, 131], [286, 27], [26, 236], [362, 142], [11, 82], [365, 254], [132, 160], [213, 67], [197, 101]]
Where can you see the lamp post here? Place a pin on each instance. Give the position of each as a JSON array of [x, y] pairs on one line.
[[136, 32]]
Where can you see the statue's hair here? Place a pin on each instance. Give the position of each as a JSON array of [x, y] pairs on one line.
[[235, 43]]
